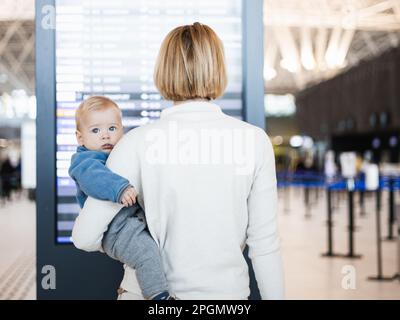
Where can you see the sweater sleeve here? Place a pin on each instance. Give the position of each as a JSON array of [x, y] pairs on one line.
[[262, 231], [96, 180], [96, 215]]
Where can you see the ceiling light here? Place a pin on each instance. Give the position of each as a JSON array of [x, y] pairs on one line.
[[290, 65], [269, 73], [296, 141]]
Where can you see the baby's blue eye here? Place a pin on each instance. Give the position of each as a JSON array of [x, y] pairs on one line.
[[113, 128], [95, 130]]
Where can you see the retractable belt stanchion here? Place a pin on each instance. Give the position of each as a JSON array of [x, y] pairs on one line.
[[350, 193], [316, 194], [397, 275], [350, 186], [329, 224], [390, 236], [362, 202], [306, 194], [307, 199], [311, 184], [379, 276], [286, 193], [330, 253]]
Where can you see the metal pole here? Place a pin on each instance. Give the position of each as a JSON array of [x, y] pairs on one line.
[[391, 209], [287, 197], [397, 275], [306, 195], [350, 190], [378, 235], [330, 223], [379, 276], [307, 199], [351, 222], [362, 202]]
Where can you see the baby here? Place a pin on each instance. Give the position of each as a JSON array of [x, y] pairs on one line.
[[99, 128]]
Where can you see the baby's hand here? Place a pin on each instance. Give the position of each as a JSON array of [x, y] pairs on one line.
[[128, 198]]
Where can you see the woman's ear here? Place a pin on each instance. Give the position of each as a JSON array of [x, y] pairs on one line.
[[79, 137]]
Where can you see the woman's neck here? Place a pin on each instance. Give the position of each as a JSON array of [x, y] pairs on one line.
[[176, 103]]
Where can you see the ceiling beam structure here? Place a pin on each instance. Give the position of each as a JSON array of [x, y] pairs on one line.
[[321, 41], [396, 8], [14, 81], [17, 44], [317, 39]]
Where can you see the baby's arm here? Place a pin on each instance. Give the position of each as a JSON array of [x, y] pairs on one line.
[[99, 182], [128, 197], [96, 215]]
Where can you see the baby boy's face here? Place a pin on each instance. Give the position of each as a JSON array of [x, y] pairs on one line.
[[100, 130]]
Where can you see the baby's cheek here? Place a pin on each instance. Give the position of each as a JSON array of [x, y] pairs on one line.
[[117, 139]]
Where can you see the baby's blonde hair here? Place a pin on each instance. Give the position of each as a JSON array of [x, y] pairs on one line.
[[93, 103]]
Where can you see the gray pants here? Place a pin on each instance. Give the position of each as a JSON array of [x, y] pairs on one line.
[[128, 241]]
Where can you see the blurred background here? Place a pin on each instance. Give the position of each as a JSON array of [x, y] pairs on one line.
[[332, 110]]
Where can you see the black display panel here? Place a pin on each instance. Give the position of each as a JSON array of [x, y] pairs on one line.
[[109, 48]]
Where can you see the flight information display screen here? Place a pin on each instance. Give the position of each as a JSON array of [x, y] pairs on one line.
[[109, 48]]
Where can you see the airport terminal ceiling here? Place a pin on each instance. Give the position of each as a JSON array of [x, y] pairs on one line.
[[310, 41]]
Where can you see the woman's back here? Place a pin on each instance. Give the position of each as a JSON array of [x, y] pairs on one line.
[[197, 168]]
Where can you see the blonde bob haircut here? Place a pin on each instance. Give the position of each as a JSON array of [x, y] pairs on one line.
[[191, 64], [94, 103]]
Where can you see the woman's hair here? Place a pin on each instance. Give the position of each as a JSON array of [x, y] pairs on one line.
[[94, 103], [191, 64]]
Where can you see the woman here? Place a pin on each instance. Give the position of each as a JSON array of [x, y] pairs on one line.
[[205, 180]]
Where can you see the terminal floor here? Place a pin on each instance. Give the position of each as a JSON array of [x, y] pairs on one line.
[[18, 248], [308, 275]]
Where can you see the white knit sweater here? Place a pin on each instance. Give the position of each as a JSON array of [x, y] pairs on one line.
[[208, 186]]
